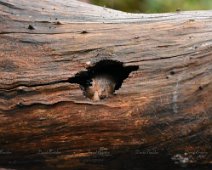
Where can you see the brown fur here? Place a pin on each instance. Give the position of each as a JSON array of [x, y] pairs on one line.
[[101, 88]]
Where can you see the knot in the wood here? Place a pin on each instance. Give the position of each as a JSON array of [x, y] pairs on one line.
[[103, 78]]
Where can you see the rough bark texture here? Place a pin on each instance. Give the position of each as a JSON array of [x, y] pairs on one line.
[[162, 111]]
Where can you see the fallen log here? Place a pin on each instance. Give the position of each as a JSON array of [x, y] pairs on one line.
[[160, 117]]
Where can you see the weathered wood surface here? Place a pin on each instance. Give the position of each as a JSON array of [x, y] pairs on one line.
[[165, 107]]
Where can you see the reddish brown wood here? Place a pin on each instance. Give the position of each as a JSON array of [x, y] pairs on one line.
[[162, 110]]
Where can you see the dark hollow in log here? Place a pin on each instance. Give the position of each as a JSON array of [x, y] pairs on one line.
[[161, 117], [102, 78]]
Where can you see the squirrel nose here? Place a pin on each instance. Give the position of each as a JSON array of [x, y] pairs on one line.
[[96, 96], [103, 96]]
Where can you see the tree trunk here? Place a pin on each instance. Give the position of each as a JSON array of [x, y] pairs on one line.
[[161, 116]]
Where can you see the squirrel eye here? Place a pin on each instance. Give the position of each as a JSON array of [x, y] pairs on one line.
[[89, 82]]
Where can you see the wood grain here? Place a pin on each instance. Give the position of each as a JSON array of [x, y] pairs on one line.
[[164, 107]]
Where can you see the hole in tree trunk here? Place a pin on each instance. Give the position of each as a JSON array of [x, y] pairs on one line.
[[103, 78]]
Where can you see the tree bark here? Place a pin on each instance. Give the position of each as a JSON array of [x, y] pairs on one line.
[[162, 113]]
